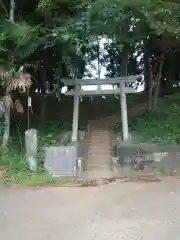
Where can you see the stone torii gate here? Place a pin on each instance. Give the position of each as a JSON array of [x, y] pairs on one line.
[[126, 86]]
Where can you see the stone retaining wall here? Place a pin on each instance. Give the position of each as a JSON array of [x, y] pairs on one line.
[[65, 160]]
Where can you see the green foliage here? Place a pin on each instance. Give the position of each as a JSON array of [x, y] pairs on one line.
[[17, 43], [161, 126], [20, 39], [143, 16], [73, 25], [14, 170], [13, 165]]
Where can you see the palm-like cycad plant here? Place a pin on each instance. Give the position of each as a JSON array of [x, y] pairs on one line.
[[17, 43]]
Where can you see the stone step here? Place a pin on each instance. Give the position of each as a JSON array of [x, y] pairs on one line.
[[98, 136], [100, 146], [99, 141], [95, 160], [99, 153], [96, 146], [100, 132], [98, 167], [106, 162], [99, 157], [101, 164], [102, 127], [104, 144]]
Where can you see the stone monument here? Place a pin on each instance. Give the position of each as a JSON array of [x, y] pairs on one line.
[[31, 144]]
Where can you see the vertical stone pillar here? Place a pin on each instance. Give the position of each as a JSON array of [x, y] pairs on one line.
[[124, 117], [31, 144], [75, 123]]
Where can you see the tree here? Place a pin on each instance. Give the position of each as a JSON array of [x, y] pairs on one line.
[[17, 43], [72, 27], [147, 23]]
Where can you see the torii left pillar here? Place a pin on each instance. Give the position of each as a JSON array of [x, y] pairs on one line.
[[124, 117], [75, 123]]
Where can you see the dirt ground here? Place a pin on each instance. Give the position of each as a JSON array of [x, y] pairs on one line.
[[116, 211]]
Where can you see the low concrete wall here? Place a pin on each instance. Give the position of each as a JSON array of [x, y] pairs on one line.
[[128, 157], [66, 160]]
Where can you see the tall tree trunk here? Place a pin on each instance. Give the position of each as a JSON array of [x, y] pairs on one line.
[[157, 82], [99, 65], [148, 75], [146, 66], [43, 107], [7, 112], [43, 85], [150, 86], [124, 62]]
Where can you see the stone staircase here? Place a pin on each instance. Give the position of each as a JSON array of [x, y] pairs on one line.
[[99, 151], [99, 163]]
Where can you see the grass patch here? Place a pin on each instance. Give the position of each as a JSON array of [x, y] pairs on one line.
[[161, 126], [13, 165]]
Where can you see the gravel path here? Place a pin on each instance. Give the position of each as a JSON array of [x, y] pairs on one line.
[[116, 211]]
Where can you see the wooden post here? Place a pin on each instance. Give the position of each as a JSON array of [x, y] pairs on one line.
[[75, 114]]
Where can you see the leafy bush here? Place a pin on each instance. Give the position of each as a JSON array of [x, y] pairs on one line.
[[161, 126], [13, 165]]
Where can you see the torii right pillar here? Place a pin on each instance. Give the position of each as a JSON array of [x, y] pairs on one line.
[[124, 117]]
